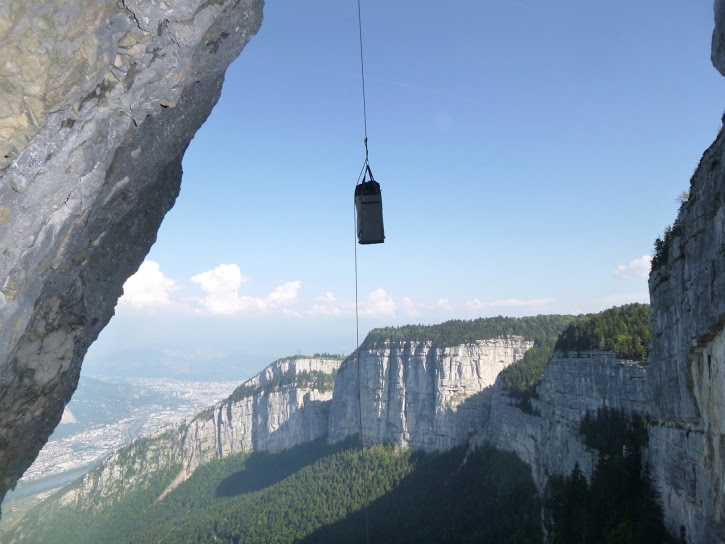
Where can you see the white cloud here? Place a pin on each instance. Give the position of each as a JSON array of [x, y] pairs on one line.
[[444, 304], [148, 287], [378, 304], [477, 304], [328, 305], [638, 268], [221, 287], [284, 294]]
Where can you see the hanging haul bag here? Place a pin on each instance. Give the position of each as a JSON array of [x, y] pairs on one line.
[[369, 208]]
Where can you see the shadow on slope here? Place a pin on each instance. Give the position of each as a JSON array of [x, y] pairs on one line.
[[411, 497], [262, 470], [483, 496]]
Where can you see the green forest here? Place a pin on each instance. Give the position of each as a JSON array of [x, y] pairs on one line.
[[540, 329], [623, 330], [314, 379], [319, 493], [619, 505]]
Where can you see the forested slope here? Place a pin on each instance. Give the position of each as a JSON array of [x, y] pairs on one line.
[[541, 329], [319, 493]]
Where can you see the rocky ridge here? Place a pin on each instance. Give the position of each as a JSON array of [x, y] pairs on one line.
[[421, 397]]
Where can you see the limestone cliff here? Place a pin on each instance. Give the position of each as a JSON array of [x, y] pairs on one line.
[[687, 356], [573, 384], [413, 394], [98, 102], [417, 395], [685, 377], [687, 287], [281, 407]]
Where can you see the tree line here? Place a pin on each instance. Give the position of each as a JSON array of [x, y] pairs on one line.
[[619, 505], [624, 330], [317, 493], [456, 332]]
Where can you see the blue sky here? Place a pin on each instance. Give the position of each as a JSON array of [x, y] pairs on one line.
[[529, 153]]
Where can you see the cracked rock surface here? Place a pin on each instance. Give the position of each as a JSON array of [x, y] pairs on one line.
[[98, 101]]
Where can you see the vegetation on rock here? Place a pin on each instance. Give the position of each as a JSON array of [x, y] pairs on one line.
[[314, 379], [623, 330], [521, 378], [539, 328], [663, 245], [619, 505], [320, 493]]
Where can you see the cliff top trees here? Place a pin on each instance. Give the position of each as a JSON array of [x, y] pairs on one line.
[[623, 330], [541, 329]]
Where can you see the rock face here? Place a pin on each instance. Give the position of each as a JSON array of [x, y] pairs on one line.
[[419, 396], [273, 419], [687, 357], [98, 102], [413, 394], [685, 378], [573, 384], [682, 390], [268, 414]]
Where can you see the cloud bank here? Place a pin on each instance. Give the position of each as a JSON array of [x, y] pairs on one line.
[[221, 287], [638, 268], [219, 292]]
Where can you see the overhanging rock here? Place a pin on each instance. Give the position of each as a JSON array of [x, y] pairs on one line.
[[98, 101]]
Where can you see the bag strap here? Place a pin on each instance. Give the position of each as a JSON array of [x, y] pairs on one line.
[[368, 171]]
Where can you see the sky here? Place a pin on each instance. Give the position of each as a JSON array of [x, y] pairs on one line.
[[529, 153]]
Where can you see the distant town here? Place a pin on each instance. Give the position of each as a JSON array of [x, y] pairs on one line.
[[169, 402]]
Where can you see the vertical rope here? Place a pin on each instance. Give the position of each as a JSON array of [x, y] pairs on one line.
[[357, 318], [362, 77], [359, 375]]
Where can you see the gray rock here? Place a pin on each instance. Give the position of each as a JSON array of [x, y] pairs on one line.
[[419, 396], [573, 385], [687, 357], [90, 162]]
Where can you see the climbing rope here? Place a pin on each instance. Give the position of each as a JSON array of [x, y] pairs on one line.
[[359, 380], [365, 170], [362, 78], [357, 358]]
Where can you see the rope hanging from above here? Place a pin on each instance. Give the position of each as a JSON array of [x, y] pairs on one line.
[[369, 230]]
